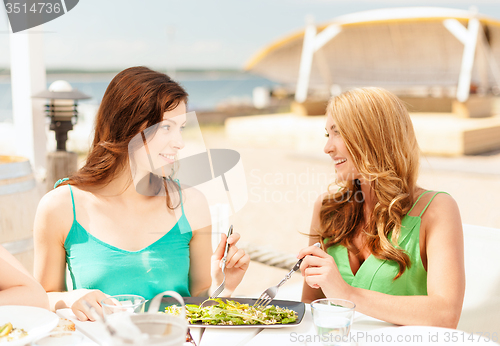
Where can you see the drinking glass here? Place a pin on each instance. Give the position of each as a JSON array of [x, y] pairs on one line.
[[332, 319], [151, 328], [123, 304], [61, 338]]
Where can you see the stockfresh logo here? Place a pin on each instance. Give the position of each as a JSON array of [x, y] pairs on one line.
[[30, 13]]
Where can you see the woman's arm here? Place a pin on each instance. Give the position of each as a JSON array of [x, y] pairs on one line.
[[200, 251], [48, 232], [308, 293], [200, 247], [445, 275], [17, 286], [204, 265], [237, 263], [53, 220]]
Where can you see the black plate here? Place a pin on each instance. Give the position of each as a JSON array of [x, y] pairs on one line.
[[298, 307]]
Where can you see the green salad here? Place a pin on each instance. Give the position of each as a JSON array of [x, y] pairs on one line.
[[234, 313]]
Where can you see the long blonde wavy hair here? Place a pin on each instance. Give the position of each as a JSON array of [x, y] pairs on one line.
[[378, 133]]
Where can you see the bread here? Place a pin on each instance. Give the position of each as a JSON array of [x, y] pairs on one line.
[[64, 325]]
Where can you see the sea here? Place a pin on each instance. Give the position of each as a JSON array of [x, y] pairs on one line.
[[207, 90]]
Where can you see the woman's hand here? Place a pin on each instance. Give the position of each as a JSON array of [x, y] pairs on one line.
[[236, 264], [94, 298], [320, 271]]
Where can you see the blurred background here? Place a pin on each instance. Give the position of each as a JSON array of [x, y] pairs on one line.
[[218, 49]]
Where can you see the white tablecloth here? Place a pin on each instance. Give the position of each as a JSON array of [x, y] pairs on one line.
[[365, 330], [297, 335]]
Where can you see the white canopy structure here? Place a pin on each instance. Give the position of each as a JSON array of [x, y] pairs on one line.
[[410, 51]]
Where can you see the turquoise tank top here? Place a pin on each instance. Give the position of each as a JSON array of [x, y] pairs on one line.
[[377, 274], [161, 266]]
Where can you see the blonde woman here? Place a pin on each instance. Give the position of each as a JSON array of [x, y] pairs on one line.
[[391, 247]]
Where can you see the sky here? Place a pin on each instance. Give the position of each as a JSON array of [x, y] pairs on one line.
[[199, 34]]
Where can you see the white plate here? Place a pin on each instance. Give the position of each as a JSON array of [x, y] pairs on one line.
[[36, 321], [298, 307]]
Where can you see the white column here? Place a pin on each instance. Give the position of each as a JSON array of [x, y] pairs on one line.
[[313, 43], [27, 78], [306, 60], [469, 38], [464, 79], [323, 65]]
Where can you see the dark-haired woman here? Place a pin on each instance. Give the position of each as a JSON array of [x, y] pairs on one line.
[[391, 247], [122, 223]]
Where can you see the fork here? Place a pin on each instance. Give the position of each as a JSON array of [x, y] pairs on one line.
[[268, 295], [189, 338], [223, 284]]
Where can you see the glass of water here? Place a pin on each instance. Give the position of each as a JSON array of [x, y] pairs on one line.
[[332, 319], [122, 304]]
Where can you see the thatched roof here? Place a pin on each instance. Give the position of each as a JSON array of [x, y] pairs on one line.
[[397, 48]]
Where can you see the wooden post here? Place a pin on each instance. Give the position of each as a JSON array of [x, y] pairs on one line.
[[60, 164]]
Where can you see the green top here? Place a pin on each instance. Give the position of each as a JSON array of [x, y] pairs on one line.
[[377, 274], [161, 266]]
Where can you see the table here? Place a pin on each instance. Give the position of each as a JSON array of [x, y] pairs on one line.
[[365, 330], [88, 329], [295, 336]]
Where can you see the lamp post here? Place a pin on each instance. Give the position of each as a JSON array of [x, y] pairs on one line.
[[62, 109]]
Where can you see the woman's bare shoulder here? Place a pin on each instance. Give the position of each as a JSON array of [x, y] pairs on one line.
[[55, 208], [196, 207], [56, 199], [328, 195], [322, 197], [193, 197], [441, 214], [438, 203], [315, 222]]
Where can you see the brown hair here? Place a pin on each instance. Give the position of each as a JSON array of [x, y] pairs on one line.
[[135, 100], [378, 133]]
